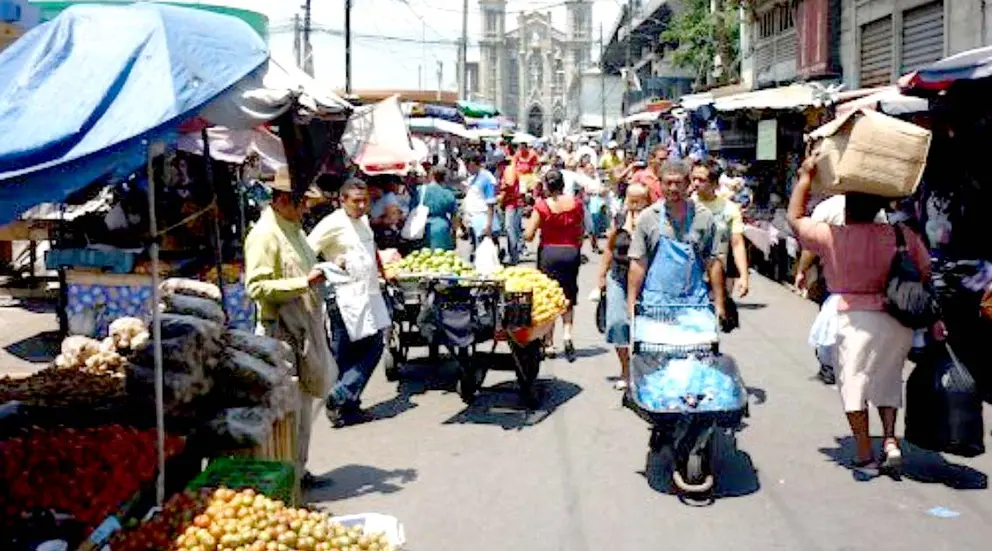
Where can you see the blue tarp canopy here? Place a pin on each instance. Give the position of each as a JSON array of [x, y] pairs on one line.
[[82, 95], [966, 66]]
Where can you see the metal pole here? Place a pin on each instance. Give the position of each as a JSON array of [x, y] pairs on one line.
[[440, 75], [307, 47], [347, 47], [218, 245], [602, 77], [630, 40], [156, 329], [463, 55]]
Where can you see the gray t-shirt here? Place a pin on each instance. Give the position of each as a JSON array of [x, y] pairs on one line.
[[702, 234]]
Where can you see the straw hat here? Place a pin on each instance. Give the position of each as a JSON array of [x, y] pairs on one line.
[[283, 183]]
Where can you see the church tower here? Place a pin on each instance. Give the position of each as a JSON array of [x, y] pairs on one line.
[[578, 28], [491, 50]]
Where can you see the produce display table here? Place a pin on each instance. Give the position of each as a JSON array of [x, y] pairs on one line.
[[94, 299]]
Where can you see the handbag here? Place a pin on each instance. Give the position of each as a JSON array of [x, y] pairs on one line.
[[907, 297], [416, 223]]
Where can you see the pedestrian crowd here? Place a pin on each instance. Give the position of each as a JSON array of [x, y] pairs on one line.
[[667, 231]]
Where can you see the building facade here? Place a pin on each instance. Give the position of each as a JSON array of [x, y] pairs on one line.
[[590, 96], [524, 72]]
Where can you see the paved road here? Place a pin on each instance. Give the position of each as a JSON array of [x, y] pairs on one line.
[[578, 477]]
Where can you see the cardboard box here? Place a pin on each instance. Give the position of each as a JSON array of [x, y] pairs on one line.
[[869, 152]]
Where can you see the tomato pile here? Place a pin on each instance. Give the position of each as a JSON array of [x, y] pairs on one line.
[[87, 473]]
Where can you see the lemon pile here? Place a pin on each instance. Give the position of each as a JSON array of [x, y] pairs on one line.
[[432, 262], [549, 299]]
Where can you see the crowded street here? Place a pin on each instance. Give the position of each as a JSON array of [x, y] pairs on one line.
[[430, 275], [576, 473]]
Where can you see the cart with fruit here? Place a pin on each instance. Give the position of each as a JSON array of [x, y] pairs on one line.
[[439, 302]]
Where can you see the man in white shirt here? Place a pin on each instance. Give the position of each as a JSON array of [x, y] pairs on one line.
[[358, 314]]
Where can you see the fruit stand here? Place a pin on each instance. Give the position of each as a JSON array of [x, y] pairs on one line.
[[438, 301]]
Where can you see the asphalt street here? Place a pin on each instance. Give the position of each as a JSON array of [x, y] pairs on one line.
[[577, 475]]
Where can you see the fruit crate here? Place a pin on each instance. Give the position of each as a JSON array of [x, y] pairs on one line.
[[272, 478]]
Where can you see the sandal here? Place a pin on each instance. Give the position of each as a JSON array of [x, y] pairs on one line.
[[570, 351], [620, 384], [892, 459]]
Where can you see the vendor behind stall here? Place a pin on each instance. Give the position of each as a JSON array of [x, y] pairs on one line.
[[281, 279]]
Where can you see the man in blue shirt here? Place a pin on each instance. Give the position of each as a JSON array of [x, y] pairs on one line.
[[480, 198]]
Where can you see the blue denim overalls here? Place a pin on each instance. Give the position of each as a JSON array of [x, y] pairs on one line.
[[674, 306]]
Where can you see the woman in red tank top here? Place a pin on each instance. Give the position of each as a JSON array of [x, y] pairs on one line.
[[561, 221]]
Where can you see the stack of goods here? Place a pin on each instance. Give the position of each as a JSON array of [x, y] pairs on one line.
[[664, 382], [255, 373], [86, 374], [431, 262], [192, 326], [86, 474], [548, 298], [229, 519]]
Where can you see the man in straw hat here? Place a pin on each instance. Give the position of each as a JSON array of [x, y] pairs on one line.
[[281, 278]]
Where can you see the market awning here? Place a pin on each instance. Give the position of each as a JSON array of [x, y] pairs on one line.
[[477, 110], [888, 100], [76, 106], [377, 139], [692, 102], [437, 127], [642, 118], [794, 96], [234, 146], [971, 65]]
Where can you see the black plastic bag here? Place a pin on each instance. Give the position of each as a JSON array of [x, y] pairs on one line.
[[943, 406], [601, 312], [731, 319]]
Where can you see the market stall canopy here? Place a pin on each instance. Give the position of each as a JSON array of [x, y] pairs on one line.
[[76, 106], [477, 110], [420, 149], [523, 137], [269, 92], [971, 65], [888, 100], [438, 127], [642, 118], [795, 96], [377, 139], [234, 146], [479, 134], [430, 110]]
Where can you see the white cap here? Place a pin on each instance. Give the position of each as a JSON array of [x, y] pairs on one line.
[[612, 144]]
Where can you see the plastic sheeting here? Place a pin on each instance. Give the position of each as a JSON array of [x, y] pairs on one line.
[[76, 106], [377, 139], [971, 65], [233, 146], [436, 127]]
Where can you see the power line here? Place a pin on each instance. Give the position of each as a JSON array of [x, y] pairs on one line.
[[420, 17], [404, 39]]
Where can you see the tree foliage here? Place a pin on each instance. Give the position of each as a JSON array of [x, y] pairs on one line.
[[696, 36]]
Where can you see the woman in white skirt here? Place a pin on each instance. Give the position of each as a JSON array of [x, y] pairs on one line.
[[871, 346]]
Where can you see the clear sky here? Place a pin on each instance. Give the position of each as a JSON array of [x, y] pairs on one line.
[[424, 33]]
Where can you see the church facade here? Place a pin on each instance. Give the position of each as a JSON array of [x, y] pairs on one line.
[[525, 71]]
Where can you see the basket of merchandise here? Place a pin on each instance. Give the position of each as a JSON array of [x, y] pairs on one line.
[[222, 517], [272, 478]]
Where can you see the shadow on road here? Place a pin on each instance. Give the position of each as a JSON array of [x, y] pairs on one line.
[[751, 306], [734, 473], [40, 348], [590, 352], [500, 405], [357, 480], [919, 465]]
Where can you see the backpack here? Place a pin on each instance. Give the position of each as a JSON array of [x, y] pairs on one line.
[[908, 298]]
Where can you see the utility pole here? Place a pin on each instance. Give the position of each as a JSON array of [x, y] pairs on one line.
[[440, 78], [630, 44], [463, 55], [307, 65], [420, 78], [602, 76], [347, 47], [297, 42]]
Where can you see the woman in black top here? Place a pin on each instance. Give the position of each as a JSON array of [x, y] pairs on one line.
[[613, 276]]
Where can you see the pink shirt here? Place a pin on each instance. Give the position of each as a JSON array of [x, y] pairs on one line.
[[856, 259]]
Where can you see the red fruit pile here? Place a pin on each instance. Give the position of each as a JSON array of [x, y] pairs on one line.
[[87, 473], [157, 533]]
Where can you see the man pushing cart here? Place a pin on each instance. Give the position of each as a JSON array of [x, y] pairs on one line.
[[680, 383]]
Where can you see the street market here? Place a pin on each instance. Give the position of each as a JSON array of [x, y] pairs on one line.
[[251, 313]]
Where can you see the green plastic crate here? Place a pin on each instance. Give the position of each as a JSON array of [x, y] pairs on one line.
[[275, 480]]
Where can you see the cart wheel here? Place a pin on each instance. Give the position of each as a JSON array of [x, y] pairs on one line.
[[470, 377], [527, 363], [657, 441], [697, 480], [391, 366]]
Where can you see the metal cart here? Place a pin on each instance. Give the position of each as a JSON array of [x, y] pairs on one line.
[[470, 318]]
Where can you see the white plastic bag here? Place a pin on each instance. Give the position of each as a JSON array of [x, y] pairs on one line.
[[416, 223], [487, 257]]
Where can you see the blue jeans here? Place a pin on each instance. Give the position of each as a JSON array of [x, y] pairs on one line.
[[356, 362], [514, 234]]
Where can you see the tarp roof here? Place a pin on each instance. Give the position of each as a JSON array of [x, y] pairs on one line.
[[377, 139], [75, 105], [888, 100], [970, 65], [784, 97]]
